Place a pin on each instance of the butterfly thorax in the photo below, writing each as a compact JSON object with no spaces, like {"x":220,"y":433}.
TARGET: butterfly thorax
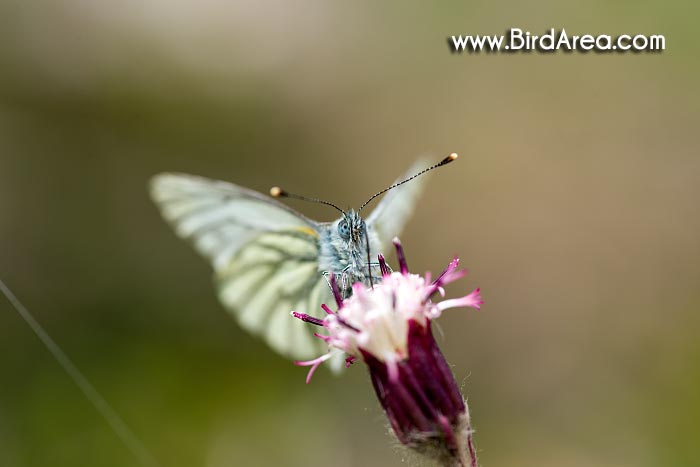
{"x":343,"y":248}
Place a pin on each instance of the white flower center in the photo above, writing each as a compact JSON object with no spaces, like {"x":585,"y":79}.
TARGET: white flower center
{"x":376,"y":320}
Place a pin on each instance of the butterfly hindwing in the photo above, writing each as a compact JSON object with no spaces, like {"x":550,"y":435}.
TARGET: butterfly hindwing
{"x":273,"y":274}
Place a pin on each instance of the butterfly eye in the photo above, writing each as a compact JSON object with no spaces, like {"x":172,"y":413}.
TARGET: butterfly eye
{"x":344,"y":230}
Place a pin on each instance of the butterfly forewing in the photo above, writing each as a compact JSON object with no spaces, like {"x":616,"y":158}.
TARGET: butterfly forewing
{"x":219,"y":217}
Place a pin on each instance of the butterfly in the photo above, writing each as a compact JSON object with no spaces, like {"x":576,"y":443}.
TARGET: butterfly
{"x":269,"y":259}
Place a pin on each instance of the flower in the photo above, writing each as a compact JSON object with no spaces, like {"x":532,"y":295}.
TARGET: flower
{"x":388,"y":326}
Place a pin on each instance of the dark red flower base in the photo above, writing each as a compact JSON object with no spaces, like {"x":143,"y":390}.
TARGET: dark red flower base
{"x":422,"y":399}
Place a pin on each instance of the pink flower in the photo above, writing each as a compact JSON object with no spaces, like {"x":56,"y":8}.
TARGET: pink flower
{"x":389,"y":328}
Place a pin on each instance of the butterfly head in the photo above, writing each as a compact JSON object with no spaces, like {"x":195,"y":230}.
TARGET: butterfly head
{"x":351,"y":227}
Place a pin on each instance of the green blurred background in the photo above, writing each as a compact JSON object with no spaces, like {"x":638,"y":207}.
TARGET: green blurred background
{"x":574,"y":205}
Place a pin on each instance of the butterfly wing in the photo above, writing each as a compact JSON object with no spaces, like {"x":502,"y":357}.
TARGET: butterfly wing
{"x":395,"y":208}
{"x":272,"y":275}
{"x":264,"y":255}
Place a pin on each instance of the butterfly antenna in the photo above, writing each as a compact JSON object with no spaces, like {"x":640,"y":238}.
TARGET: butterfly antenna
{"x":277,"y":192}
{"x":445,"y":161}
{"x":120,"y":428}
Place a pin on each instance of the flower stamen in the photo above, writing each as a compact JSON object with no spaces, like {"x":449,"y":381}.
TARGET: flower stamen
{"x":315,"y":363}
{"x":472,"y":300}
{"x":308,"y":318}
{"x":400,"y":256}
{"x":336,"y":291}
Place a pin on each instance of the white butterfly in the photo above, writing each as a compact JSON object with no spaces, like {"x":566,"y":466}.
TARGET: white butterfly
{"x":269,"y":259}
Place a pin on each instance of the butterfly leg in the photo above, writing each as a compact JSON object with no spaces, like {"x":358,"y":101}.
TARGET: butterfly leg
{"x":375,"y":264}
{"x":377,"y":272}
{"x":341,"y":281}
